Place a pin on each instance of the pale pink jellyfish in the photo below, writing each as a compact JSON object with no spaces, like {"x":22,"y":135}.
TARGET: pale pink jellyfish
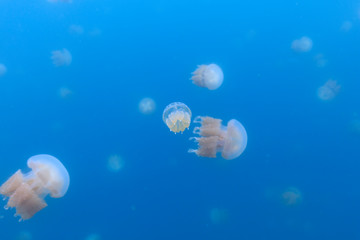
{"x":61,"y":57}
{"x":26,"y":192}
{"x":303,"y":44}
{"x":208,"y":76}
{"x":329,"y":90}
{"x":230,"y":140}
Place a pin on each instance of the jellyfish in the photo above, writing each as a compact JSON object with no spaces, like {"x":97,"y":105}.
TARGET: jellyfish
{"x":61,"y":57}
{"x":26,"y":192}
{"x":303,"y":44}
{"x":291,"y":196}
{"x":346,"y":26}
{"x":147,"y":106}
{"x":208,"y":76}
{"x":115,"y":163}
{"x":177,"y":116}
{"x":65,"y":92}
{"x":76,"y":29}
{"x":230,"y":140}
{"x":3,"y":69}
{"x":219,"y":215}
{"x":329,"y":90}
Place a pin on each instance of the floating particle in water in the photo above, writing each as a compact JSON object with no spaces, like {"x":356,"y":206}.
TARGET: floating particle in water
{"x":177,"y":116}
{"x":320,"y":60}
{"x":346,"y":26}
{"x":61,"y":57}
{"x":115,"y":163}
{"x":3,"y":69}
{"x":76,"y":29}
{"x":147,"y":106}
{"x":219,"y":215}
{"x":208,"y":76}
{"x":303,"y":44}
{"x":93,"y":236}
{"x":26,"y":192}
{"x":24,"y":235}
{"x":230,"y":140}
{"x":291,"y":196}
{"x":329,"y":90}
{"x":64,"y":92}
{"x":64,"y":1}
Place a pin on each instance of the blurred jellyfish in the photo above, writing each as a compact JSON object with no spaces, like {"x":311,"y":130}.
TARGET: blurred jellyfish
{"x":355,"y":126}
{"x":26,"y":192}
{"x":329,"y":90}
{"x":177,"y":116}
{"x":320,"y":60}
{"x":208,"y":76}
{"x":76,"y":29}
{"x":24,"y":235}
{"x":147,"y":106}
{"x":346,"y":26}
{"x":291,"y":196}
{"x":61,"y":57}
{"x":93,"y":236}
{"x":115,"y":163}
{"x":230,"y":140}
{"x":95,"y":32}
{"x":3,"y":69}
{"x":303,"y":44}
{"x":219,"y":215}
{"x":65,"y":92}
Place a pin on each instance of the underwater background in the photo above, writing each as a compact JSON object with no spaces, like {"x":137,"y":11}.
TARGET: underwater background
{"x":299,"y":175}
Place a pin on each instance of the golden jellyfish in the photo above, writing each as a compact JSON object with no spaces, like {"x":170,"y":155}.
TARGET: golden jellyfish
{"x":230,"y":140}
{"x":26,"y":192}
{"x":177,"y":116}
{"x":208,"y":76}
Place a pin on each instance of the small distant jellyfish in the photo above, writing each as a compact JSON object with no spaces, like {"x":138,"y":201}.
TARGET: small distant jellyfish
{"x":26,"y":192}
{"x":303,"y":44}
{"x":208,"y":76}
{"x":230,"y":140}
{"x":115,"y":163}
{"x":24,"y":235}
{"x":76,"y":29}
{"x":219,"y":215}
{"x":147,"y":106}
{"x":329,"y":90}
{"x":291,"y":196}
{"x":93,"y":236}
{"x":64,"y":92}
{"x":346,"y":26}
{"x":177,"y":116}
{"x":61,"y":57}
{"x":320,"y":60}
{"x":3,"y":69}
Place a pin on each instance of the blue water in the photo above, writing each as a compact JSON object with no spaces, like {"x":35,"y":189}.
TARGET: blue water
{"x":131,"y":49}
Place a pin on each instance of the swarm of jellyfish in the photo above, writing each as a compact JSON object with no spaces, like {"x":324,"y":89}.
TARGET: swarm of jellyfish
{"x":61,"y":57}
{"x":26,"y":191}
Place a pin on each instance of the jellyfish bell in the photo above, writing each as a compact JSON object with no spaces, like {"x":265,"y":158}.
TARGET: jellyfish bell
{"x":230,"y":140}
{"x":26,"y":192}
{"x":61,"y":57}
{"x":147,"y":106}
{"x":177,"y":116}
{"x":208,"y":76}
{"x":304,"y":44}
{"x":329,"y":90}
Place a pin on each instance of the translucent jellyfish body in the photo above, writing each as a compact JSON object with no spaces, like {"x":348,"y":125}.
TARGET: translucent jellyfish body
{"x":61,"y":57}
{"x":177,"y":116}
{"x":304,"y":44}
{"x":26,"y":192}
{"x":208,"y":76}
{"x":147,"y":106}
{"x":230,"y":140}
{"x":3,"y":69}
{"x":329,"y":90}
